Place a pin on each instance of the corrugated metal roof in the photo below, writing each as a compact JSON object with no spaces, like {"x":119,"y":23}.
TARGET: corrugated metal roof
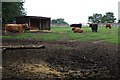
{"x":38,"y":17}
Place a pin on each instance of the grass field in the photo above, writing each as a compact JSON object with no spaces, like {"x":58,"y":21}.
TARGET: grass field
{"x":63,"y":58}
{"x":65,"y":34}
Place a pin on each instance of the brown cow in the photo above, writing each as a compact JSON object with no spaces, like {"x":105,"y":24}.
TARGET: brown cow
{"x":108,"y":25}
{"x":15,"y":28}
{"x":77,"y":30}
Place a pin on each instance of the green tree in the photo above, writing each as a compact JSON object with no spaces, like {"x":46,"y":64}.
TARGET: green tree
{"x":53,"y":21}
{"x":109,"y":17}
{"x":96,"y":18}
{"x":12,"y":9}
{"x":58,"y":21}
{"x":90,"y":19}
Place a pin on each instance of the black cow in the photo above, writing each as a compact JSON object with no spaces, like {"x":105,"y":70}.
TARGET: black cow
{"x":76,"y":25}
{"x":93,"y":26}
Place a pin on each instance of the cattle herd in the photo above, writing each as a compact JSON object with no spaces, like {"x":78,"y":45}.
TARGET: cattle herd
{"x":76,"y":28}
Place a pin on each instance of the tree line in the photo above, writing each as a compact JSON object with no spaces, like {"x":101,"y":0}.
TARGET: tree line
{"x":12,"y":9}
{"x":95,"y":18}
{"x":99,"y":18}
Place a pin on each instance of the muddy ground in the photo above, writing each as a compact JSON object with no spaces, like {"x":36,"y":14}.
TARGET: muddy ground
{"x":60,"y":60}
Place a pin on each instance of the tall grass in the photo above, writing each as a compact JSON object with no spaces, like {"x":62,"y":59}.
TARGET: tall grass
{"x":59,"y":33}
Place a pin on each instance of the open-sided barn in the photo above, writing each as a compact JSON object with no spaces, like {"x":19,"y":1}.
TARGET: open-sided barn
{"x":34,"y":22}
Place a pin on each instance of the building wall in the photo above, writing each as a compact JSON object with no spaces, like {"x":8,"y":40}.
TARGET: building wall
{"x":35,"y":22}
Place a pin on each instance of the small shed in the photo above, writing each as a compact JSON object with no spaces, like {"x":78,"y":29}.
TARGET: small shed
{"x":34,"y":22}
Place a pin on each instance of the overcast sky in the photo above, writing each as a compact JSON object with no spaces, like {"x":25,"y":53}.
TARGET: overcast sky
{"x":73,"y":11}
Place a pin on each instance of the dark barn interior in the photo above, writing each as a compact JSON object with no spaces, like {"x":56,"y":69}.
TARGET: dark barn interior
{"x":34,"y":22}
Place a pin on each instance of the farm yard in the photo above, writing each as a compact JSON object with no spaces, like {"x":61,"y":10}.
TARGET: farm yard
{"x":67,"y":55}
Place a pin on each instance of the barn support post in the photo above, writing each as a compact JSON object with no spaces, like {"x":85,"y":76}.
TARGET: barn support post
{"x":39,"y":24}
{"x":29,"y":22}
{"x":48,"y":23}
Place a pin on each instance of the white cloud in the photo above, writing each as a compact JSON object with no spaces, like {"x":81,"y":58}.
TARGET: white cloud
{"x":73,"y":11}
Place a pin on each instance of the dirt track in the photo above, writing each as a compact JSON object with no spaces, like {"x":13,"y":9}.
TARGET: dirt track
{"x":61,"y":60}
